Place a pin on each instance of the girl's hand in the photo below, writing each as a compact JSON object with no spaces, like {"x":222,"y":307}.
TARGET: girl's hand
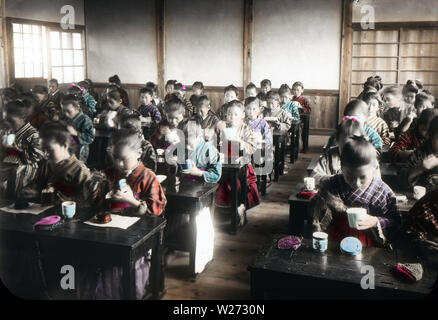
{"x":221,"y":125}
{"x":29,"y":193}
{"x":367,"y":222}
{"x":194,"y":171}
{"x":430,"y":162}
{"x":126,"y":196}
{"x":72,"y":130}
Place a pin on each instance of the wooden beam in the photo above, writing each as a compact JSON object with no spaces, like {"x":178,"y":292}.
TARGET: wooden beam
{"x":4,"y":44}
{"x":346,"y":56}
{"x":248,"y":31}
{"x":161,"y":44}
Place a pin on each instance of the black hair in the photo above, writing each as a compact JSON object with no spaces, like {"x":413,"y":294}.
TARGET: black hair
{"x":394,"y":90}
{"x":39,"y":89}
{"x":283,"y":89}
{"x":265,"y":82}
{"x":9,"y":94}
{"x":261,"y":96}
{"x":71,"y":99}
{"x":358,"y":151}
{"x":174,"y":104}
{"x":54,"y":81}
{"x":115,"y":94}
{"x":198,"y":85}
{"x":416,"y":83}
{"x":171,"y":82}
{"x":56,"y":131}
{"x":201,"y":100}
{"x":273,"y":95}
{"x":372,"y":95}
{"x":90,"y":82}
{"x":422,"y":97}
{"x":126,"y":137}
{"x":84,"y":84}
{"x":231,"y":88}
{"x":178,"y":86}
{"x":298,"y":84}
{"x":411,"y":87}
{"x":19,"y":108}
{"x":433,"y":128}
{"x":251,"y":100}
{"x":152,"y":86}
{"x":75,"y":90}
{"x":348,"y":128}
{"x":115,"y":79}
{"x":426,"y":116}
{"x":131,"y":121}
{"x":29,"y":98}
{"x":147,"y":90}
{"x":375,"y":82}
{"x":356,"y":106}
{"x":236,"y":103}
{"x":251,"y":86}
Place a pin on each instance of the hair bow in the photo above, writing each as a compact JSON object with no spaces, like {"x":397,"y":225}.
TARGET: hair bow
{"x":351,"y":118}
{"x":184,"y":87}
{"x":75,"y":85}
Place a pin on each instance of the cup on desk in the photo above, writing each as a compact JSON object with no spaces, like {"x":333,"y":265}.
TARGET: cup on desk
{"x":68,"y":209}
{"x":419,"y":192}
{"x":309,"y":183}
{"x":10,"y":139}
{"x":320,"y":241}
{"x":354,"y":215}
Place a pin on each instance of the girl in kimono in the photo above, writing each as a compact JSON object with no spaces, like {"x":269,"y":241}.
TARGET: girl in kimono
{"x":45,"y":110}
{"x":61,"y":172}
{"x":284,"y":118}
{"x":25,"y":149}
{"x":287,"y":103}
{"x":245,"y":137}
{"x":356,"y":186}
{"x":204,"y":117}
{"x":297,"y":91}
{"x":116,"y":110}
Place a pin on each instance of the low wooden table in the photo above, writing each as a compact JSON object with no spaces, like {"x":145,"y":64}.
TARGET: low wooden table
{"x":189,"y":198}
{"x":306,"y":274}
{"x":75,"y":243}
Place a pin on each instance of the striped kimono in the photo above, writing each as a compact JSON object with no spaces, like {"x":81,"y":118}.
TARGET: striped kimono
{"x":26,"y":153}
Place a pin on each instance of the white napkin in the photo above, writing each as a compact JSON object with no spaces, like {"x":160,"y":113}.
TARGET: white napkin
{"x":161,"y":178}
{"x":34,"y":208}
{"x":117,"y":221}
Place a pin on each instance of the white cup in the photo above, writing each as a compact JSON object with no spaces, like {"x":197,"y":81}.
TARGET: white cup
{"x":320,"y":241}
{"x":309,"y":183}
{"x":354,"y":215}
{"x":68,"y":209}
{"x":10,"y":139}
{"x":160,"y":152}
{"x":419,"y":192}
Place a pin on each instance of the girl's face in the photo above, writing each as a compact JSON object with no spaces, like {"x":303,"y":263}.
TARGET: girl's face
{"x":265,"y":89}
{"x":14,"y":122}
{"x":169,"y":88}
{"x":197,"y":92}
{"x":114,"y":104}
{"x":409,"y":97}
{"x":41,"y":97}
{"x":53,"y":87}
{"x":359,"y":177}
{"x":230,"y":96}
{"x":251,"y":92}
{"x":70,"y":111}
{"x":252,"y":111}
{"x":273,"y":104}
{"x":55,"y":151}
{"x":297,"y":91}
{"x":391,"y":100}
{"x":145,"y":98}
{"x":125,"y":158}
{"x":174,"y":118}
{"x":235,"y":117}
{"x":425,"y":105}
{"x":204,"y":108}
{"x":285,"y":97}
{"x":373,"y":106}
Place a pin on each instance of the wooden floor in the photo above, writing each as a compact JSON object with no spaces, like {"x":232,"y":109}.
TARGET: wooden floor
{"x":226,"y":277}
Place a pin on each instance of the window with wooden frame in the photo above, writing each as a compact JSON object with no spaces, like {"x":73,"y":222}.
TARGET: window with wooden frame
{"x":397,"y":54}
{"x":46,"y":51}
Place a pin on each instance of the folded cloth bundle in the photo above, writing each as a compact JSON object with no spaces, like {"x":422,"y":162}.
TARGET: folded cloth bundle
{"x":408,"y":271}
{"x":306,"y":194}
{"x":289,"y":242}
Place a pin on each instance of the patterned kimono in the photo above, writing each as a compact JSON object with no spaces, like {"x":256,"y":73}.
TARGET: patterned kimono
{"x":370,"y":133}
{"x":329,"y":164}
{"x":84,"y":126}
{"x":209,"y":122}
{"x":408,"y":140}
{"x":90,"y":103}
{"x":292,"y":107}
{"x":260,"y":126}
{"x":380,"y":126}
{"x":222,"y":112}
{"x":248,"y":146}
{"x":150,"y":111}
{"x":122,"y":111}
{"x":378,"y":199}
{"x":206,"y":158}
{"x":45,"y":111}
{"x":148,"y":156}
{"x":26,"y":153}
{"x":428,"y":179}
{"x":283,"y":116}
{"x":56,"y":97}
{"x":304,"y":103}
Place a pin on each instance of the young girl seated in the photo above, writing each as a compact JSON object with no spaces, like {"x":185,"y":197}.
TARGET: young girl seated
{"x":147,"y":108}
{"x":373,"y":100}
{"x":297,"y":91}
{"x":422,"y":101}
{"x":55,"y":94}
{"x":395,"y":108}
{"x":265,"y":86}
{"x":329,"y":162}
{"x":24,"y":150}
{"x":287,"y":104}
{"x":115,"y":81}
{"x":283,"y":120}
{"x":204,"y":116}
{"x":409,"y":113}
{"x":356,"y":186}
{"x":170,"y":88}
{"x":79,"y":125}
{"x":180,"y":92}
{"x":245,"y":138}
{"x":204,"y":157}
{"x":410,"y":140}
{"x":88,"y":99}
{"x":110,"y":118}
{"x":230,"y":94}
{"x":423,"y":162}
{"x":198,"y":91}
{"x":45,"y":110}
{"x":61,"y":172}
{"x":250,"y":90}
{"x":156,"y":101}
{"x":148,"y":157}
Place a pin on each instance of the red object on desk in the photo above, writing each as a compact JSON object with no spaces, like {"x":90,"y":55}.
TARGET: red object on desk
{"x":306,"y":194}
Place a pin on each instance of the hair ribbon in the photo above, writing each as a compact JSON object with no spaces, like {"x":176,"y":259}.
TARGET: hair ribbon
{"x":351,"y":118}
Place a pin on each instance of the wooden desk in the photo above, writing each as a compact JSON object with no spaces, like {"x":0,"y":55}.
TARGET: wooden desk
{"x":306,"y":274}
{"x":75,"y":242}
{"x":279,"y":141}
{"x":233,"y":173}
{"x":261,"y":170}
{"x":188,"y":198}
{"x":294,"y":134}
{"x":305,"y":120}
{"x":298,"y":211}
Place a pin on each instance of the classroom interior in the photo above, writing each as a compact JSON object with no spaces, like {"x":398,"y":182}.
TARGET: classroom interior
{"x":331,"y":47}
